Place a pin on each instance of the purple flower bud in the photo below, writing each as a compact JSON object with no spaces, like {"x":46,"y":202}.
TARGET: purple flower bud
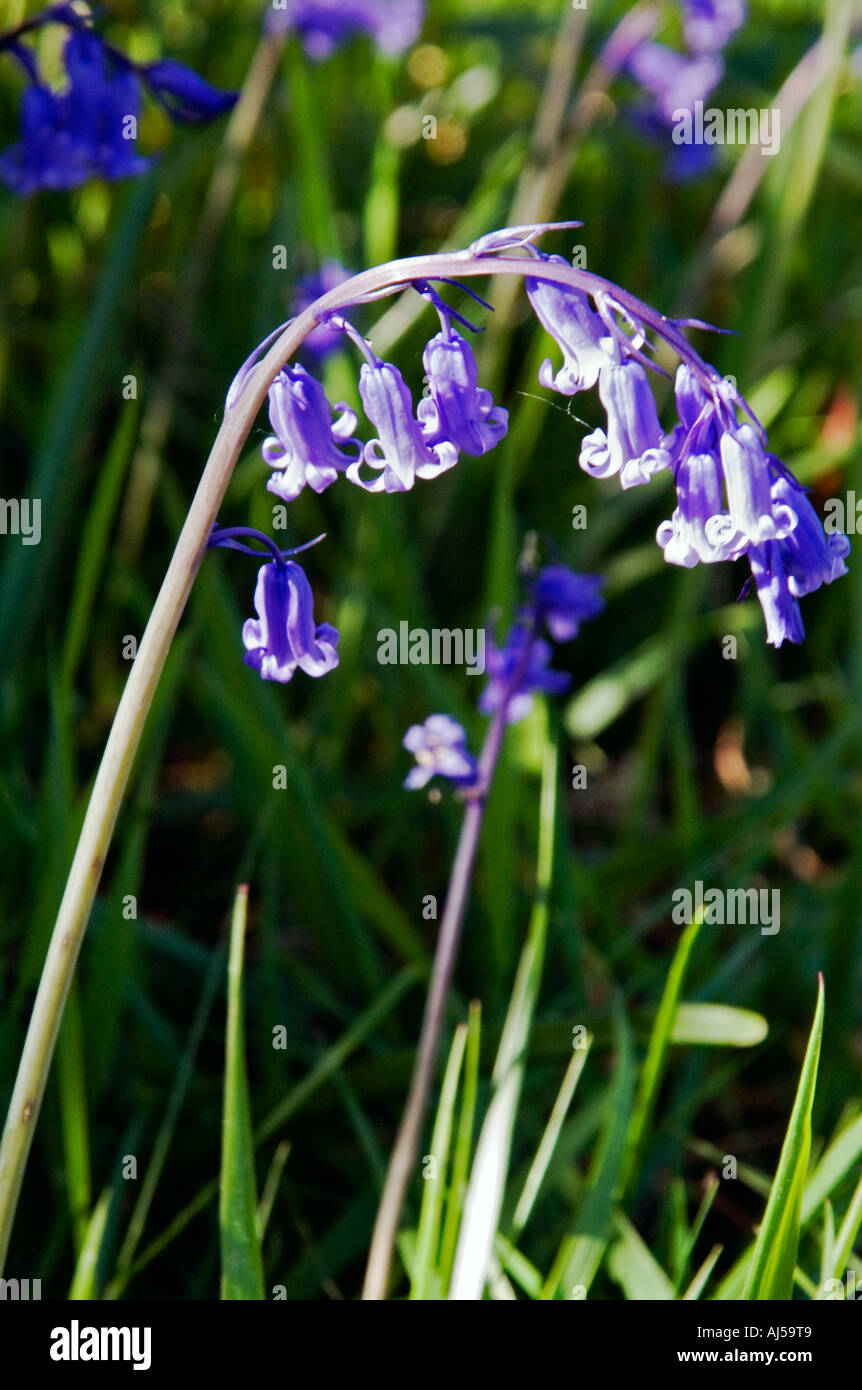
{"x":440,"y":749}
{"x":305,"y":447}
{"x":516,"y":691}
{"x":457,"y":409}
{"x":754,"y":513}
{"x":563,"y":600}
{"x":576,"y":328}
{"x":400,"y":453}
{"x":185,"y":95}
{"x":284,"y":636}
{"x":633,"y":446}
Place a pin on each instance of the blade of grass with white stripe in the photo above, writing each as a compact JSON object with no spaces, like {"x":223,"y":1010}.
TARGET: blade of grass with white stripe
{"x":463,"y":1146}
{"x":770,"y":1274}
{"x":490,"y":1166}
{"x":548,"y":1142}
{"x":581,"y":1253}
{"x":425,"y":1282}
{"x":241,"y":1261}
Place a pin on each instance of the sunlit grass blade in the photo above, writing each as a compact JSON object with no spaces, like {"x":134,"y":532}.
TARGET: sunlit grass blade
{"x":241,"y":1260}
{"x":633,"y":1266}
{"x":548,"y":1142}
{"x":581,"y":1252}
{"x":701,"y":1278}
{"x":463,"y":1146}
{"x":85,"y":1279}
{"x":487,"y":1178}
{"x":270,"y":1187}
{"x":717,"y":1025}
{"x":774,"y":1260}
{"x":425,"y":1281}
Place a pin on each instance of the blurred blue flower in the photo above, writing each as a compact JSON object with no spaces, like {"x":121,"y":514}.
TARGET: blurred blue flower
{"x":89,"y":129}
{"x":457,"y":409}
{"x":284,"y":635}
{"x":307,"y":445}
{"x":675,"y":80}
{"x":708,"y":24}
{"x":325,"y":24}
{"x":563,"y":600}
{"x":185,"y":95}
{"x":517,"y":670}
{"x":440,"y":749}
{"x":325,"y":339}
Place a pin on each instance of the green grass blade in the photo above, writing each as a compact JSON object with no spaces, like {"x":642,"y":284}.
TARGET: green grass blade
{"x":656,"y":1057}
{"x":548,"y":1142}
{"x":487,"y":1179}
{"x":425,"y":1281}
{"x":85,"y":1279}
{"x":774,"y":1260}
{"x":581,"y":1253}
{"x":635,"y":1268}
{"x":242,"y":1263}
{"x":463,"y":1146}
{"x":717,"y":1025}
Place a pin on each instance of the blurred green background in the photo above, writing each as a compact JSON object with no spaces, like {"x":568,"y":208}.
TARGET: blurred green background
{"x":736,"y":772}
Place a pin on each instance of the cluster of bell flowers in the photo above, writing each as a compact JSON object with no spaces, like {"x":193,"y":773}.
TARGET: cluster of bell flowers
{"x":734,"y":498}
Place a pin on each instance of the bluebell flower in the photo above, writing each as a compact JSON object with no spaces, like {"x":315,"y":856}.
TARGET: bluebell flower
{"x":633,"y":446}
{"x":307,"y":447}
{"x":400,"y":453}
{"x":89,"y":129}
{"x":284,"y":636}
{"x":562,"y":600}
{"x":578,"y":330}
{"x":325,"y":24}
{"x":780,"y":609}
{"x":709,"y":24}
{"x":440,"y":749}
{"x":692,"y":534}
{"x":754,"y":512}
{"x":517,"y":671}
{"x":811,"y":557}
{"x":786,"y":570}
{"x":457,"y":409}
{"x":327,"y":337}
